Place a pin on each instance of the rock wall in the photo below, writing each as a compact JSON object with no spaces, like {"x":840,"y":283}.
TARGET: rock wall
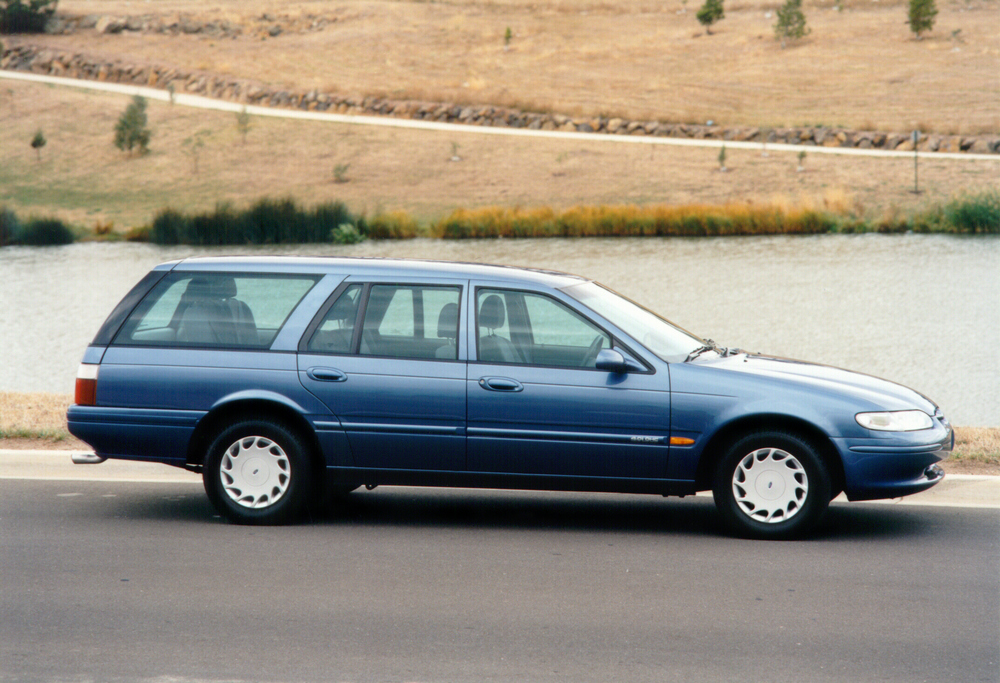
{"x":39,"y":60}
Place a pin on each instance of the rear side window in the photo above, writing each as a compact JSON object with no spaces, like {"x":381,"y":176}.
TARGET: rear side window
{"x":398,"y":321}
{"x":411,"y":321}
{"x":215,"y":310}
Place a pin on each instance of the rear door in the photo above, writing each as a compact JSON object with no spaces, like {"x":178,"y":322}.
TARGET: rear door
{"x":387,"y":359}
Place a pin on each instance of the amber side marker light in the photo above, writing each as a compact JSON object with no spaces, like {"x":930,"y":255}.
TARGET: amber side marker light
{"x":86,"y":385}
{"x":674,"y":440}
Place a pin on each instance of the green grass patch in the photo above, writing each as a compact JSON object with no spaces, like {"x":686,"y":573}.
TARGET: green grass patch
{"x":37,"y":434}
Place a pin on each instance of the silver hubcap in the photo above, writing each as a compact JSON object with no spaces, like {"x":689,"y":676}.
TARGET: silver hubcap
{"x":770,"y":485}
{"x":255,"y":472}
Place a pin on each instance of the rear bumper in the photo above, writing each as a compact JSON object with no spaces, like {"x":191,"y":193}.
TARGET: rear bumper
{"x":134,"y":434}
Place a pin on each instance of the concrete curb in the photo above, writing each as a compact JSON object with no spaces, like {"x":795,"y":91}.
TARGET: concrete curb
{"x":957,"y":490}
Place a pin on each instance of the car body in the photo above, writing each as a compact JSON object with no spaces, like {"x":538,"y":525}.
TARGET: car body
{"x":283,"y":379}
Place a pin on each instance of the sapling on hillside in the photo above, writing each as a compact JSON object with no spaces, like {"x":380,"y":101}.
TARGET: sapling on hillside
{"x":791,"y":23}
{"x":192,"y":147}
{"x":921,"y":16}
{"x":130,"y":130}
{"x":243,"y":123}
{"x":710,"y":13}
{"x":38,"y":142}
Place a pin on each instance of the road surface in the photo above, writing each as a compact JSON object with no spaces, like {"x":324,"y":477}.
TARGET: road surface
{"x":141,"y":581}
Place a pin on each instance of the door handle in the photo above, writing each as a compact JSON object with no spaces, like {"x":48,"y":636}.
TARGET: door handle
{"x":500,"y":384}
{"x":326,"y":375}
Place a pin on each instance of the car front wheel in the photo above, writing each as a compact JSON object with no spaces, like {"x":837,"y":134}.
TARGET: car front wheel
{"x":771,"y":485}
{"x":257,"y":472}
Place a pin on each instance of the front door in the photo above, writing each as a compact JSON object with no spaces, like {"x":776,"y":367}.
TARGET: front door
{"x":539,"y":406}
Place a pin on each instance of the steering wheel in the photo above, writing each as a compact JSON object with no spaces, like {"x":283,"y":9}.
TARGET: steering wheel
{"x":594,"y":349}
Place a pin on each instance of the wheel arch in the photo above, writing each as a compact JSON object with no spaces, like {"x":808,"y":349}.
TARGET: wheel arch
{"x":244,"y":409}
{"x":727,"y":435}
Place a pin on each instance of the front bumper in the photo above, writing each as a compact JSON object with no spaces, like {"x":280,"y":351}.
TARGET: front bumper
{"x":895,"y":465}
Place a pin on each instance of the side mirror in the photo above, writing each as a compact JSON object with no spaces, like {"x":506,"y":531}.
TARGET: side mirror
{"x":610,"y":360}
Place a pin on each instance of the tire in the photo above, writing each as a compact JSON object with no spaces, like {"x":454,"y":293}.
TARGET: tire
{"x":258,"y":472}
{"x":771,"y":485}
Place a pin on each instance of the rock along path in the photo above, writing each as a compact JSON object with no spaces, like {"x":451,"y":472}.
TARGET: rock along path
{"x":200,"y":102}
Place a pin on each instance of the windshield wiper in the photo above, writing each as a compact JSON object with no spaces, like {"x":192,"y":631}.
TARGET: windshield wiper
{"x":709,"y":345}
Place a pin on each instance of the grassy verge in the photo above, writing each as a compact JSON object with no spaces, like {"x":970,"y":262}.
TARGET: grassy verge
{"x":38,"y":420}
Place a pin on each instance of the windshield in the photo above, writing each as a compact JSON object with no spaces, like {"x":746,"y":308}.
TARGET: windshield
{"x":666,"y":340}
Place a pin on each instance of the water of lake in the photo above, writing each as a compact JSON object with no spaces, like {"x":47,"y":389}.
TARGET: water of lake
{"x":922,"y":310}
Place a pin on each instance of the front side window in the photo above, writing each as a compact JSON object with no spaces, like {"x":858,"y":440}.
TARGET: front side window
{"x":533,"y":329}
{"x":214,"y":310}
{"x":663,"y":338}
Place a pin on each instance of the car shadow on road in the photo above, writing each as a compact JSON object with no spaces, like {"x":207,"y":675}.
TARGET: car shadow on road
{"x":399,"y":507}
{"x":693,"y":516}
{"x":521,"y":510}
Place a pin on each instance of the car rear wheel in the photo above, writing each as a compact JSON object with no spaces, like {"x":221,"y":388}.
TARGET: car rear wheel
{"x":771,"y":485}
{"x":257,"y":472}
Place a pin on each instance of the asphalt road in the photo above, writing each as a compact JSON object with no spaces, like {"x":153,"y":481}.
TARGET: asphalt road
{"x":116,"y":580}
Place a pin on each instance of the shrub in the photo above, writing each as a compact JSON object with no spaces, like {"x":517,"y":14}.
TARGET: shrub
{"x":45,"y":232}
{"x":921,"y":16}
{"x":395,"y":225}
{"x":130,"y":130}
{"x":138,"y":234}
{"x":710,"y":13}
{"x":168,"y":227}
{"x":25,"y":16}
{"x":10,"y":227}
{"x":267,"y":221}
{"x":791,"y":23}
{"x":978,"y":213}
{"x":346,"y":234}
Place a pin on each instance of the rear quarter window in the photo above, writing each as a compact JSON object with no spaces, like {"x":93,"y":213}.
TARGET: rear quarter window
{"x":222,"y":310}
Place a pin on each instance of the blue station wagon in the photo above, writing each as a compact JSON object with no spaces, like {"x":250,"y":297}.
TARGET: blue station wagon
{"x":286,"y":380}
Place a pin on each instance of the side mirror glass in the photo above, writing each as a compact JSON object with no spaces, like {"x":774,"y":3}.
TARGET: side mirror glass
{"x":610,"y":360}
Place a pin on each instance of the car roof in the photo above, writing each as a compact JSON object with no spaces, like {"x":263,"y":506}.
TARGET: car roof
{"x":373,"y":267}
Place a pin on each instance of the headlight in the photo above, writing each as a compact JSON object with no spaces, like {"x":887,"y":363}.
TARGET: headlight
{"x":901,"y":421}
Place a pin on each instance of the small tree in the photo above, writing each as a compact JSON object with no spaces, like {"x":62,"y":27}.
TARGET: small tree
{"x":921,"y":18}
{"x":131,"y":131}
{"x":243,"y":123}
{"x":192,"y":147}
{"x":38,"y":142}
{"x":25,"y":16}
{"x":710,"y":13}
{"x":791,"y":22}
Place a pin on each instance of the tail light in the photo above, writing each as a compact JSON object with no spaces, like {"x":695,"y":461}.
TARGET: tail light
{"x":86,"y":385}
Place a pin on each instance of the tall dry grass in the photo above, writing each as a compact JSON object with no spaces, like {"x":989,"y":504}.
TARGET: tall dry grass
{"x":33,"y":416}
{"x":694,"y":220}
